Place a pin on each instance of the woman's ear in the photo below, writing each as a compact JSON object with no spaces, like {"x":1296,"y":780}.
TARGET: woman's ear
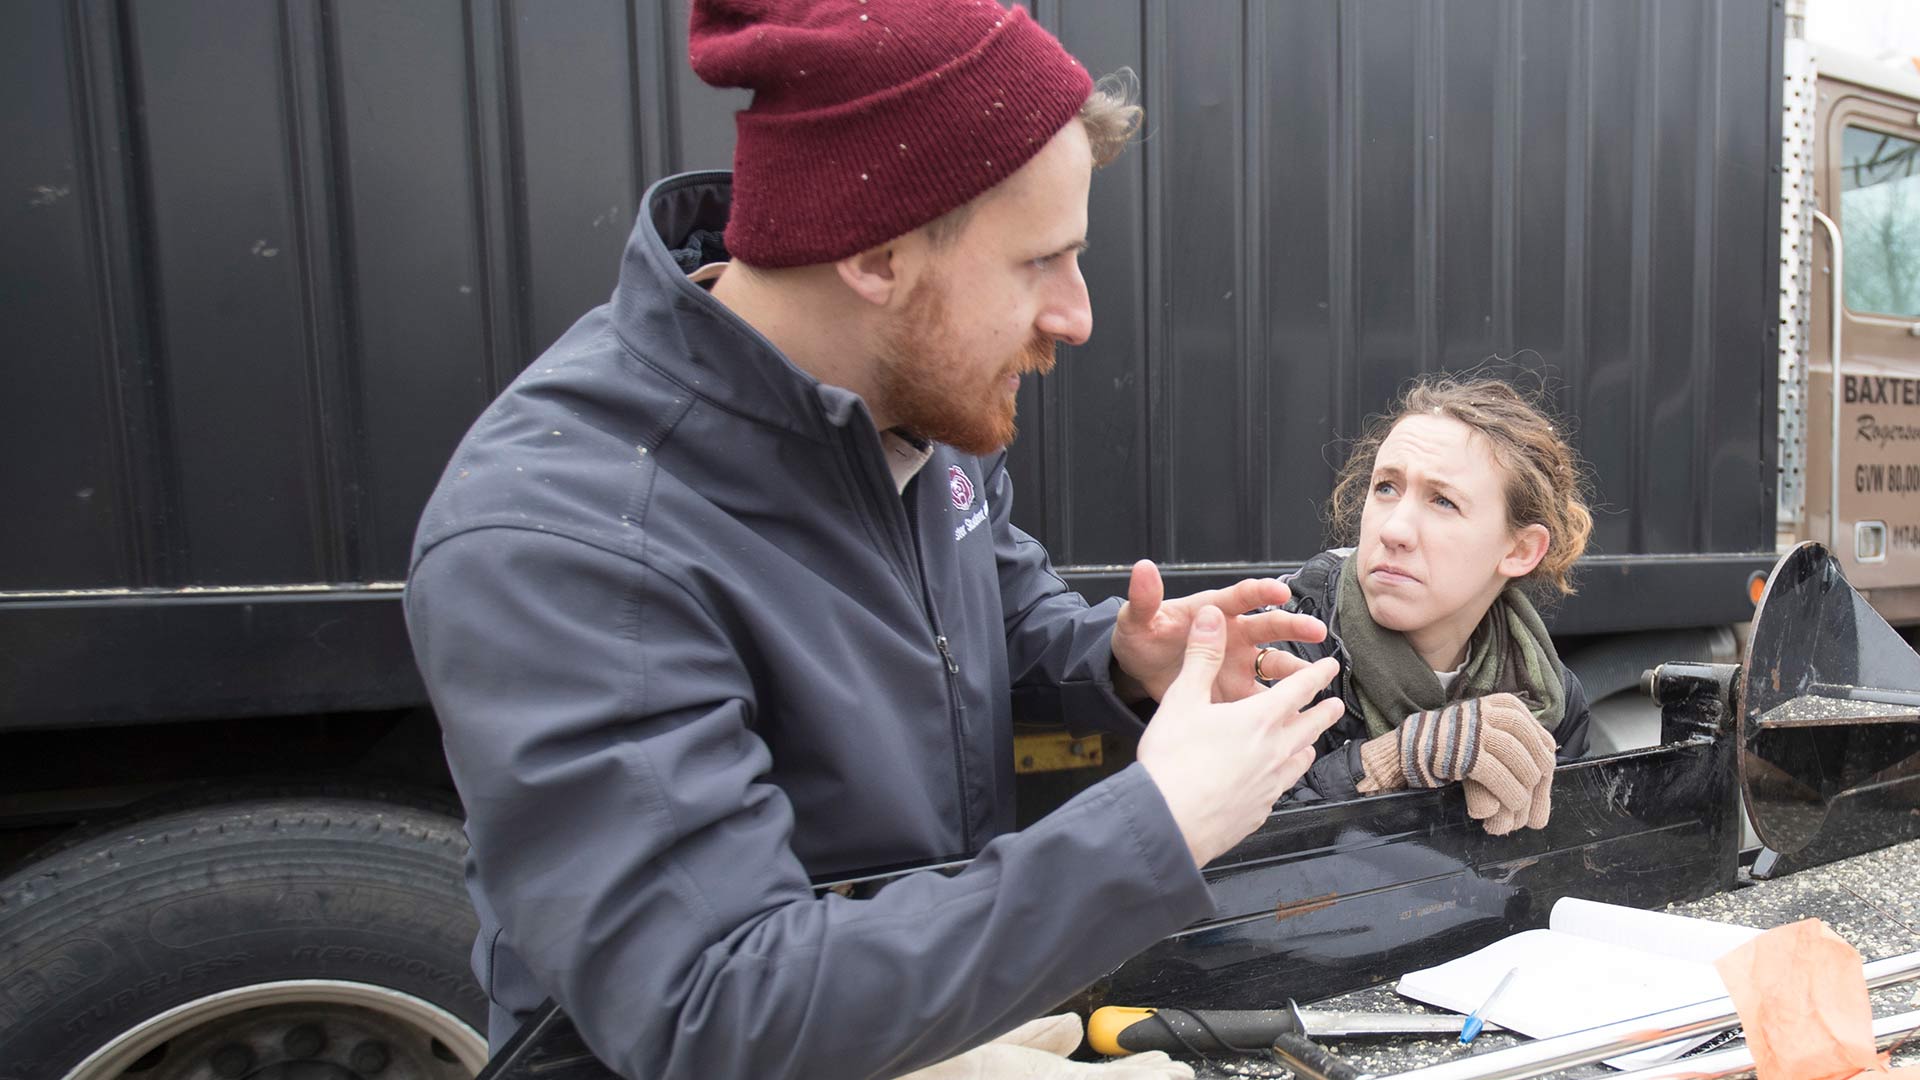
{"x":1530,"y":545}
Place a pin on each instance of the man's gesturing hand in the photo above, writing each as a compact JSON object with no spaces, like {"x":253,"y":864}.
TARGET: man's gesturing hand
{"x":1150,"y":636}
{"x":1221,"y":767}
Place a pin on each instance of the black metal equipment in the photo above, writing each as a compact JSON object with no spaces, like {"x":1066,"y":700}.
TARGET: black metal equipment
{"x":1829,"y":720}
{"x":1819,"y":727}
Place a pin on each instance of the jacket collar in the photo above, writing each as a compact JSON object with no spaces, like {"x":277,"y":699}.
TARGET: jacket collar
{"x":1317,"y":582}
{"x":675,"y":326}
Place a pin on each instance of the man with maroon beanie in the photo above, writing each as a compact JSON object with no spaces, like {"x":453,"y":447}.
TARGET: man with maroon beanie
{"x":722,"y":595}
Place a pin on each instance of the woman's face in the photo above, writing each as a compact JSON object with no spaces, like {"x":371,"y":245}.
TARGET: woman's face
{"x":1435,"y":548}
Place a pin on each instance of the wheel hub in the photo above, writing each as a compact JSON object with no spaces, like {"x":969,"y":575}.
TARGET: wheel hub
{"x":301,"y":1030}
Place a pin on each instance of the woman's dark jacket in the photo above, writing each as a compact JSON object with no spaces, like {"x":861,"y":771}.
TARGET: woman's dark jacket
{"x":1337,"y":770}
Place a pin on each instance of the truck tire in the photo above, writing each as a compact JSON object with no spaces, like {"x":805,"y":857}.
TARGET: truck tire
{"x":285,"y":937}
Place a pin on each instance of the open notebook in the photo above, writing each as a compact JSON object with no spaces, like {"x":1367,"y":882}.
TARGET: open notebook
{"x":1594,"y":964}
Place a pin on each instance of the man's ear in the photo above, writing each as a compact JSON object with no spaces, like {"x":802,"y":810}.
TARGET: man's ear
{"x":1529,"y":547}
{"x":874,"y":275}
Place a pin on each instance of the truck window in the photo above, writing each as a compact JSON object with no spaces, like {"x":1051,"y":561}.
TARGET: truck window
{"x":1880,"y":221}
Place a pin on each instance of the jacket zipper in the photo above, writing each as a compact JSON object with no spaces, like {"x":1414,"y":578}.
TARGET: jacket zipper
{"x":898,"y":523}
{"x":945,"y":649}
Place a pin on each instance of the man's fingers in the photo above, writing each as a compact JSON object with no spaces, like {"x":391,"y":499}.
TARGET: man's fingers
{"x":1288,"y":698}
{"x":1322,"y":716}
{"x":1278,"y":664}
{"x":1295,"y":767}
{"x":1300,"y":687}
{"x":1248,"y":594}
{"x":1206,"y":648}
{"x":1313,"y":721}
{"x":1145,"y":591}
{"x":1279,"y":626}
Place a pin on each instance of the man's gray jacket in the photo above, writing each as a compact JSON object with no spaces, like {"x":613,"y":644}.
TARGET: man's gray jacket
{"x":691,"y":647}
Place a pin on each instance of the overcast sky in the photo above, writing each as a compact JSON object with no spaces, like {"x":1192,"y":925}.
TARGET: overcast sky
{"x":1878,"y":29}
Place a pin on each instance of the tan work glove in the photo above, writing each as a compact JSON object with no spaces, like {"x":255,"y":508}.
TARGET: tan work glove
{"x":1038,"y":1049}
{"x":1480,"y":741}
{"x":1513,"y":718}
{"x":1380,"y":764}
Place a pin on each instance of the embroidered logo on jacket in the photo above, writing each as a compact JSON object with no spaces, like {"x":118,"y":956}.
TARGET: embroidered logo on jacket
{"x":960,"y":487}
{"x":973,"y":522}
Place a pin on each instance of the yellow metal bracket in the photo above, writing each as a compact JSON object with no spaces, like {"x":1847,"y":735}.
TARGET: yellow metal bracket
{"x":1053,"y":751}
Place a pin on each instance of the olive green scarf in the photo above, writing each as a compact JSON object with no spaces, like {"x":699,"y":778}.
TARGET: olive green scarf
{"x":1509,"y":651}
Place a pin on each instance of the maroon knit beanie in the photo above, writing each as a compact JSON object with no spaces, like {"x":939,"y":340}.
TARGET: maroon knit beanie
{"x":871,"y":118}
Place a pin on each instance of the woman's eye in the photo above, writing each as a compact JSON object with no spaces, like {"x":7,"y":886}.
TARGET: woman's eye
{"x":1444,"y":503}
{"x":1044,"y":261}
{"x":1384,"y":487}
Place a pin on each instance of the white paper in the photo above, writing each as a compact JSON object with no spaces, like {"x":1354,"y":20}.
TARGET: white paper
{"x":1678,"y":936}
{"x":1595,"y":964}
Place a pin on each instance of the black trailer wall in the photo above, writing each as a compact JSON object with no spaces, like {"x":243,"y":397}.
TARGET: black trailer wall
{"x":261,"y":263}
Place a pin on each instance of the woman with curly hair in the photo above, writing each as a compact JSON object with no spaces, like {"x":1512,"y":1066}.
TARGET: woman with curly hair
{"x":1461,"y":501}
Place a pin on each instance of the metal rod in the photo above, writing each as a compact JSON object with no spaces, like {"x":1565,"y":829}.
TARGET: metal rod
{"x":1341,"y":1023}
{"x":1308,"y":1060}
{"x":1738,"y":1060}
{"x":1873,"y":694}
{"x":1346,"y":1025}
{"x":1543,"y":1056}
{"x":1834,"y":315}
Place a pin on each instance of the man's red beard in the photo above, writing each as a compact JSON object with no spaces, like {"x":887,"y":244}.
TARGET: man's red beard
{"x":938,"y":394}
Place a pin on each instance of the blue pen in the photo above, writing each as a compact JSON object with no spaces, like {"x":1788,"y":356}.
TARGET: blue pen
{"x":1478,"y":1018}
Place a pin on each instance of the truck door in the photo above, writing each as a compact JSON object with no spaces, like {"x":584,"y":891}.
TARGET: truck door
{"x":1867,"y":180}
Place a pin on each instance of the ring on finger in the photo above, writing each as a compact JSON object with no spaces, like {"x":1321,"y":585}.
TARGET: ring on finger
{"x":1260,"y":657}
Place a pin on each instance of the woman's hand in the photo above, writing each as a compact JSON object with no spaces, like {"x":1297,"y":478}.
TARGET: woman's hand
{"x":1491,"y":744}
{"x":1516,"y":720}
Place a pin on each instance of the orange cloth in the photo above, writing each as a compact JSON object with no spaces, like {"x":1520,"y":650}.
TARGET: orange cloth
{"x":1802,"y":998}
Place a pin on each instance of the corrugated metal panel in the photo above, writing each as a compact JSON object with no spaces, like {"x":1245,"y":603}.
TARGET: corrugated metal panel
{"x":1336,"y":196}
{"x":70,"y":506}
{"x":264,"y":261}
